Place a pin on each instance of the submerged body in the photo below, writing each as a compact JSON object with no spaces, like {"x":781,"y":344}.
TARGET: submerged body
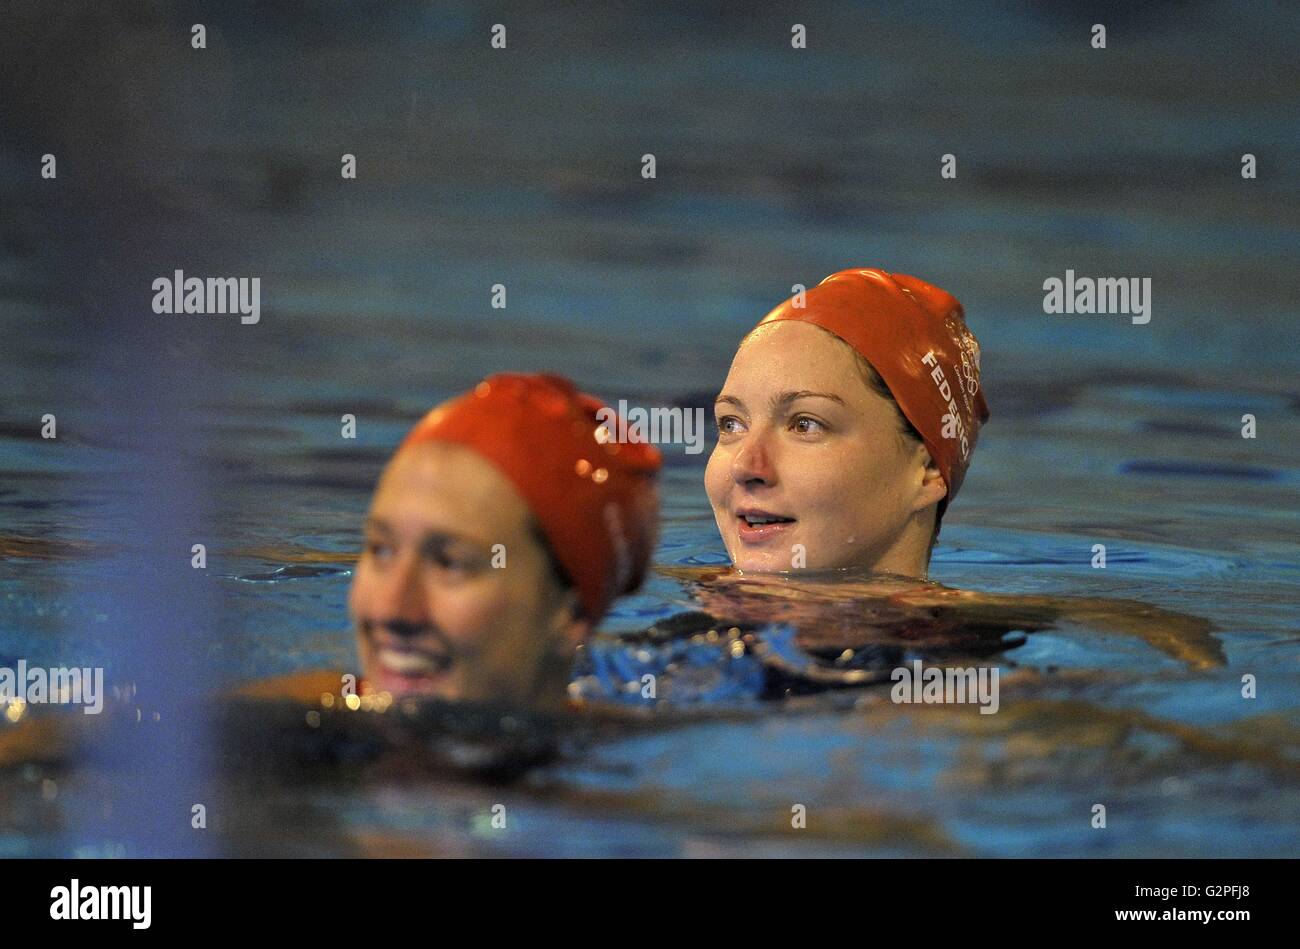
{"x":769,"y":636}
{"x":837,"y":610}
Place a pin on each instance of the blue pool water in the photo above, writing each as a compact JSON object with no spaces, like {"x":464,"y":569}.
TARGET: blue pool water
{"x":772,"y":171}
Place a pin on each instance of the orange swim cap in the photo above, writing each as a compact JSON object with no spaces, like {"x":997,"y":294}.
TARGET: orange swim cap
{"x":914,"y":334}
{"x":595,"y":499}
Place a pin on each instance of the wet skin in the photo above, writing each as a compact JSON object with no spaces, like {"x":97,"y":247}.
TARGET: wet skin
{"x":433,"y":616}
{"x":803,"y":440}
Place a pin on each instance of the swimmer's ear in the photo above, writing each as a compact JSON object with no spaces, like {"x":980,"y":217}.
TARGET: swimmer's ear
{"x":933,"y":487}
{"x":579,"y":630}
{"x":568,"y":620}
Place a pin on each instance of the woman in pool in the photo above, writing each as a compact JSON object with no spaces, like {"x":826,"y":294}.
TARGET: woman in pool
{"x":846,"y":426}
{"x":503,"y":527}
{"x":498,"y":535}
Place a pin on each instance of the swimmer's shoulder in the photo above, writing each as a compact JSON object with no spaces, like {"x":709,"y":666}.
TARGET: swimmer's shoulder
{"x":682,"y":627}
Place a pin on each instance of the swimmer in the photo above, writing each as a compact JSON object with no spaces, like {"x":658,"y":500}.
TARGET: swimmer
{"x":846,"y":426}
{"x":499,"y":533}
{"x":497,"y":537}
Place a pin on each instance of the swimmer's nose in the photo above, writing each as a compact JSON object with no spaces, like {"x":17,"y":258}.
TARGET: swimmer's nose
{"x":404,"y":629}
{"x":400,"y":604}
{"x":752,"y":465}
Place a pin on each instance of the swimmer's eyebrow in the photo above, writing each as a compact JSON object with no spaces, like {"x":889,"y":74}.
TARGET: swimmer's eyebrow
{"x":377,"y":525}
{"x":433,"y":540}
{"x":785,"y":398}
{"x":782,"y":399}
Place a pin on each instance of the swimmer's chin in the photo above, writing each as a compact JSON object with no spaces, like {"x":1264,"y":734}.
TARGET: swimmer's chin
{"x":750,"y":562}
{"x":431,"y":685}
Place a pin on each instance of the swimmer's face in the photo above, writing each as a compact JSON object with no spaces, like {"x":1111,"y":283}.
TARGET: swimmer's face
{"x":433,"y":615}
{"x":803,"y":440}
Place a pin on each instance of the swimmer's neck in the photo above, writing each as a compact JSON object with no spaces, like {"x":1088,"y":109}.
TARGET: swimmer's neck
{"x":829,"y":577}
{"x":908,"y":555}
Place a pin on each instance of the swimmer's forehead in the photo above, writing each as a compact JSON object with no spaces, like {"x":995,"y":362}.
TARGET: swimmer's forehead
{"x":449,"y":491}
{"x":790,"y":334}
{"x":801,"y":360}
{"x":379,"y":527}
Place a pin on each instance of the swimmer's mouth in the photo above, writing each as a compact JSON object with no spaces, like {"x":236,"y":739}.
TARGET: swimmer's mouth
{"x":404,"y":668}
{"x":756,"y":525}
{"x":411,"y":662}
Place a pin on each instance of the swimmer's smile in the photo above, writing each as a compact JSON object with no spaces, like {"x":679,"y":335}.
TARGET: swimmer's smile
{"x":402,"y":667}
{"x":756,"y":526}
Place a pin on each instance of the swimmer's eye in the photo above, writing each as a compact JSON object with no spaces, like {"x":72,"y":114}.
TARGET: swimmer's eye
{"x":807,"y":425}
{"x":447,"y":562}
{"x":728,"y":425}
{"x":454,"y":561}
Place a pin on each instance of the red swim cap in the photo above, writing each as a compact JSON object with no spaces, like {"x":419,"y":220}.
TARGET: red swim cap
{"x":595,"y":499}
{"x":915,"y":336}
